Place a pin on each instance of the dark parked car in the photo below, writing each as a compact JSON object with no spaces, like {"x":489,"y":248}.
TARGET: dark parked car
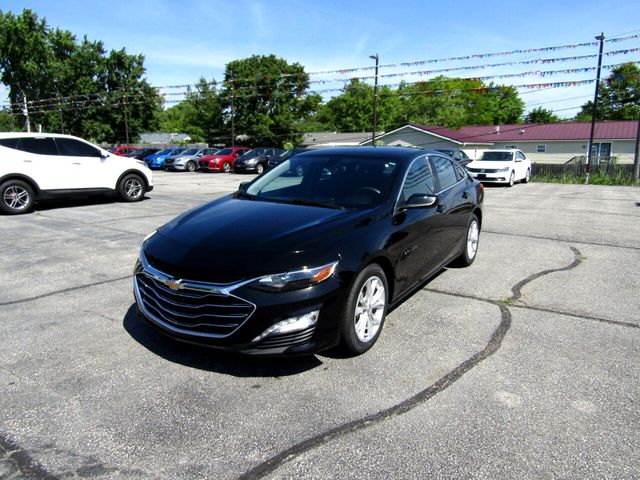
{"x":255,"y":160}
{"x":285,"y":155}
{"x":458,"y":155}
{"x":143,"y":152}
{"x":293,"y":264}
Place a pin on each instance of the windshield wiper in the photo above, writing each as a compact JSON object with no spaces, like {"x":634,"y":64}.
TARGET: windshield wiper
{"x":311,"y":203}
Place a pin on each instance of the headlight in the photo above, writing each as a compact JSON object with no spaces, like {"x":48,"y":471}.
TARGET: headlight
{"x":505,"y":169}
{"x":294,"y":280}
{"x":251,"y":161}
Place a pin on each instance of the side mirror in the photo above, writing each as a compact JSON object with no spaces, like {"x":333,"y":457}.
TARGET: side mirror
{"x":243,"y":186}
{"x":418,"y":200}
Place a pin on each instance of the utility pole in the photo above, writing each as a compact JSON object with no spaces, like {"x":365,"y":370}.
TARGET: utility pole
{"x":126,"y":116}
{"x":636,"y":157}
{"x":594,"y":112}
{"x":60,"y":113}
{"x":375,"y":101}
{"x":233,"y":124}
{"x":25,"y":112}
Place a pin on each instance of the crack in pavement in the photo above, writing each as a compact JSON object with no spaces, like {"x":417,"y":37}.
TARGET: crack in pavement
{"x":64,"y":290}
{"x":495,"y":342}
{"x":22,"y":461}
{"x":537,"y":237}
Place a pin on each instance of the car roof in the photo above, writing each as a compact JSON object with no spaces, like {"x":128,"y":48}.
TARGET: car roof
{"x":401,"y":154}
{"x":36,"y":135}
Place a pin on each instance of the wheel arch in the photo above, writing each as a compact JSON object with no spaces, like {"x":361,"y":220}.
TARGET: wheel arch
{"x":387,"y":268}
{"x":24,"y":178}
{"x":134,"y":171}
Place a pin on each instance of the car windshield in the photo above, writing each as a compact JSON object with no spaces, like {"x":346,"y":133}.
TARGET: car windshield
{"x":191,"y":151}
{"x":137,"y":152}
{"x":225,"y":151}
{"x":250,"y":154}
{"x":330,"y":181}
{"x":497,"y":156}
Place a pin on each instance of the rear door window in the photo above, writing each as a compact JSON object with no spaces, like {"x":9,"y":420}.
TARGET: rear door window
{"x":445,"y":171}
{"x":38,"y":145}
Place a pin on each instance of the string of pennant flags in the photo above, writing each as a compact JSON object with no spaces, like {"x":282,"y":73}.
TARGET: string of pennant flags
{"x":239,"y":86}
{"x":53,"y":101}
{"x":105,"y":101}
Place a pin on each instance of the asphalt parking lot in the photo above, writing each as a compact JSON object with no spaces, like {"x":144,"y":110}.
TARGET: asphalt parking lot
{"x":525,"y":365}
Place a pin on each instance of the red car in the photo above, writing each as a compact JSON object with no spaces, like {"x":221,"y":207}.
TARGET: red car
{"x":221,"y":161}
{"x":123,"y":150}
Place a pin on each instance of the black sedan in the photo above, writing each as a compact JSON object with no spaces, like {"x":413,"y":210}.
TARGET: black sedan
{"x":312,"y":253}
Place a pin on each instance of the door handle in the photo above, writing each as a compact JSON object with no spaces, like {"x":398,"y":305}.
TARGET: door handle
{"x":76,"y":163}
{"x":465,"y":194}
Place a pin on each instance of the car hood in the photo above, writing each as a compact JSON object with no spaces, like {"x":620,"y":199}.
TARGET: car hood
{"x":217,"y":157}
{"x":234,"y":239}
{"x":489,"y":164}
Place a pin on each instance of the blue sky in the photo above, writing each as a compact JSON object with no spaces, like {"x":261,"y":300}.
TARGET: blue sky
{"x":188,"y":39}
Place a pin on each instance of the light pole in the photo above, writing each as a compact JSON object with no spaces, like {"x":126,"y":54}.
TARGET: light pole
{"x":375,"y":100}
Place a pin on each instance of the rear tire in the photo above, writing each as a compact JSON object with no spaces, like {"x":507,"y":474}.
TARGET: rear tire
{"x":131,"y":188}
{"x":16,"y":197}
{"x":527,"y":176}
{"x":365,"y":310}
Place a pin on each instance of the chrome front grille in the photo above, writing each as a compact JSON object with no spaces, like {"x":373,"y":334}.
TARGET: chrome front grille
{"x":483,"y":170}
{"x":213,"y":313}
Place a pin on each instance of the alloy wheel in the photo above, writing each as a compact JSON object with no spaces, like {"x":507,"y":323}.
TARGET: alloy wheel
{"x":370,"y":309}
{"x":16,"y":197}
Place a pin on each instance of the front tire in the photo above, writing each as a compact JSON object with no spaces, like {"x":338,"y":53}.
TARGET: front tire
{"x":512,"y":178}
{"x":16,"y":197}
{"x":365,"y":310}
{"x":259,"y":168}
{"x":226,"y":167}
{"x":191,"y":167}
{"x":472,"y":240}
{"x":131,"y":188}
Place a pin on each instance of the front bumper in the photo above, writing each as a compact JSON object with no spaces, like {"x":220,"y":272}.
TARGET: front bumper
{"x":233,"y":317}
{"x":498,"y":177}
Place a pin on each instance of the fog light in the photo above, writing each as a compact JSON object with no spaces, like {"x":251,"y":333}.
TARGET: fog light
{"x":289,"y":325}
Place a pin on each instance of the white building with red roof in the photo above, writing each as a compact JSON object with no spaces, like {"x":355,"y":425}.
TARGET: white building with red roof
{"x":542,"y":143}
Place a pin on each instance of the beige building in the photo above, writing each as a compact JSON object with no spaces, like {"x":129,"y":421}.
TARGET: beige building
{"x":542,"y":143}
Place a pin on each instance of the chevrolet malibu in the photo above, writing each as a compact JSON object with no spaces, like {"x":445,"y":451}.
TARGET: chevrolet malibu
{"x":311,"y":254}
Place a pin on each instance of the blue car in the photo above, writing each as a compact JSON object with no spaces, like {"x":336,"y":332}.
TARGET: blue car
{"x":157,"y":159}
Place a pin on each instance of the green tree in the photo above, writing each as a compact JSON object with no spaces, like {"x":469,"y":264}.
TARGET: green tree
{"x":8,"y":122}
{"x":619,"y":96}
{"x":74,"y":86}
{"x":268,"y":99}
{"x":352,"y":111}
{"x":541,"y":115}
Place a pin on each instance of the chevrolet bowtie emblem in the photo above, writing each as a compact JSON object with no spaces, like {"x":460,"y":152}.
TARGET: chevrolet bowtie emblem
{"x":174,"y":284}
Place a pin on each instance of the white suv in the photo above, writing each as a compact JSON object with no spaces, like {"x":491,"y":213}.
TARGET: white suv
{"x":36,"y":166}
{"x":501,"y":166}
